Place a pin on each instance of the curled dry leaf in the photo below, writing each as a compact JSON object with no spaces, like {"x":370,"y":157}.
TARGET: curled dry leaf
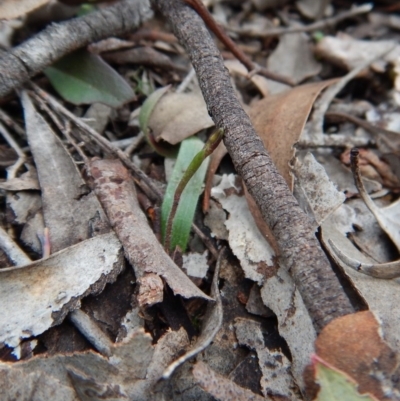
{"x":353,"y":344}
{"x":177,"y":116}
{"x":249,"y":246}
{"x":381,"y":296}
{"x":48,"y":289}
{"x":116,"y":192}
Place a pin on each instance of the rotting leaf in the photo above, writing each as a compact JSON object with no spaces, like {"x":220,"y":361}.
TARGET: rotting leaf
{"x":84,"y":78}
{"x":277,"y":379}
{"x":353,"y":344}
{"x":256,"y":257}
{"x":249,"y":246}
{"x":49,"y":288}
{"x":67,"y":205}
{"x":335,"y":385}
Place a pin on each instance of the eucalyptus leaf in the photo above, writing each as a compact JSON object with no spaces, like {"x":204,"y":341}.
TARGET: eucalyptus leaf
{"x":190,"y":195}
{"x":336,"y":386}
{"x":84,"y":78}
{"x":148,"y":107}
{"x":163,"y":148}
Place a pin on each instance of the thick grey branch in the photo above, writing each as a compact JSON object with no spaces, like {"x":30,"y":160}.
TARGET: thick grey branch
{"x":300,"y":250}
{"x":32,"y":56}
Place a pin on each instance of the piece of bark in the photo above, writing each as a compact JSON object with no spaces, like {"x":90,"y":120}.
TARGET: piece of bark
{"x":300,"y":250}
{"x":57,"y":40}
{"x":115,"y":189}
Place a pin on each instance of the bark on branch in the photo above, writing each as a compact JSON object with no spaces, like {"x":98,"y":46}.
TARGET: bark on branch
{"x":33,"y":56}
{"x":300,"y":250}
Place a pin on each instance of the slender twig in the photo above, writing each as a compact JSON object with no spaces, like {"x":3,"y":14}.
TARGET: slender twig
{"x":104,"y":143}
{"x":322,"y":24}
{"x":321,"y":291}
{"x":57,"y":40}
{"x":11,"y":123}
{"x":16,"y":255}
{"x":91,"y":331}
{"x":12,"y":170}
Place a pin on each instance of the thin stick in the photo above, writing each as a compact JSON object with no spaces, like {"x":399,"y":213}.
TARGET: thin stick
{"x":104,"y":143}
{"x":17,"y":256}
{"x":12,"y":170}
{"x":12,"y":124}
{"x":91,"y":331}
{"x":325,"y":23}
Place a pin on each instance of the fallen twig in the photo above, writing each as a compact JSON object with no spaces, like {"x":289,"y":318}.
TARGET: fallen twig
{"x":57,"y":40}
{"x":300,"y":250}
{"x":322,"y":24}
{"x":116,"y":192}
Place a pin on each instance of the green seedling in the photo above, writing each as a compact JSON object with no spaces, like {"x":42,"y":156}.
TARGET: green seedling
{"x":172,"y":236}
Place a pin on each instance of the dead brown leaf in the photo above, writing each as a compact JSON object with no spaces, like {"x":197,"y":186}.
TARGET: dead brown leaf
{"x":353,"y":344}
{"x":279,"y":121}
{"x":178,"y":116}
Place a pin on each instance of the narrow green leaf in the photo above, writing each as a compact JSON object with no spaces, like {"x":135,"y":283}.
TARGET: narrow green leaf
{"x":84,"y":78}
{"x":190,"y":196}
{"x":336,"y":385}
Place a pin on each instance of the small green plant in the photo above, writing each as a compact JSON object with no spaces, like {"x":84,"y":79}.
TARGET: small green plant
{"x":175,"y":236}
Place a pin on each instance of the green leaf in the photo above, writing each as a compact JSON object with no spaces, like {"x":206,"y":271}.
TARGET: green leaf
{"x":336,"y":385}
{"x":190,"y":195}
{"x":84,"y":78}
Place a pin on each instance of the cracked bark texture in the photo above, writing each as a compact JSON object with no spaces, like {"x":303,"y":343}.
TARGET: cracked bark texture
{"x":57,"y":40}
{"x":299,"y":247}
